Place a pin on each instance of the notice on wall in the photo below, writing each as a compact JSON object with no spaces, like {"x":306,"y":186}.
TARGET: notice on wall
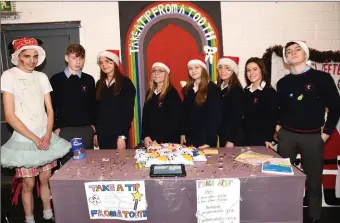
{"x":218,"y":200}
{"x":123,"y":200}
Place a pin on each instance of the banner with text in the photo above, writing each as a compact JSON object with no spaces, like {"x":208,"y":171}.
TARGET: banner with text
{"x":123,"y":200}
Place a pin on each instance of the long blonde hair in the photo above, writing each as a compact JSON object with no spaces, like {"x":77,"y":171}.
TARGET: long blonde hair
{"x":153,"y":86}
{"x":202,"y":92}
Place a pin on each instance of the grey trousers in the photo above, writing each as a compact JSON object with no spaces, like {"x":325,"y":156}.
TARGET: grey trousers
{"x":68,"y":133}
{"x":311,"y":147}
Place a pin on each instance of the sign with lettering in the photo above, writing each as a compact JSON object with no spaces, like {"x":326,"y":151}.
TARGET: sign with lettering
{"x":123,"y":200}
{"x":137,"y":44}
{"x":163,"y":9}
{"x":218,"y":200}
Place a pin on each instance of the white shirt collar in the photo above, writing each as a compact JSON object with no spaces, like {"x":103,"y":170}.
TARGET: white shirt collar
{"x":260,"y":87}
{"x":109,"y":84}
{"x":156,"y":92}
{"x":195,"y":87}
{"x":223,"y":87}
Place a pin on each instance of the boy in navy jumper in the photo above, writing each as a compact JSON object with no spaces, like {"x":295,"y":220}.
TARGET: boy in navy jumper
{"x":73,"y":99}
{"x":303,"y":97}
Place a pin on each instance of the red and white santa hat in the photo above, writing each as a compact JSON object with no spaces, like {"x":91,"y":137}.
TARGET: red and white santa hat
{"x":113,"y":55}
{"x":230,"y":61}
{"x":198,"y":59}
{"x":302,"y":44}
{"x":163,"y":64}
{"x":25,"y":44}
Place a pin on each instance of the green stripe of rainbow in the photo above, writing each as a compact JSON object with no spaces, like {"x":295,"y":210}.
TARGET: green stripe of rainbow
{"x":133,"y":59}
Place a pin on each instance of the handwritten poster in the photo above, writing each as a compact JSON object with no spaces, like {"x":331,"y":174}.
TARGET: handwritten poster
{"x":123,"y":200}
{"x":218,"y":200}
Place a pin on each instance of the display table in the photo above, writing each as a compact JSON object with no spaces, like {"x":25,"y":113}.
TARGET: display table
{"x":264,"y":197}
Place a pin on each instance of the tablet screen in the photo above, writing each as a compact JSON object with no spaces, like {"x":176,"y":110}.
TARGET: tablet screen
{"x":167,"y":170}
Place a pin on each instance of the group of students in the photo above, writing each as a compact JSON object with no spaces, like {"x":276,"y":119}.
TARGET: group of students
{"x":101,"y":113}
{"x":47,"y":114}
{"x":210,"y":112}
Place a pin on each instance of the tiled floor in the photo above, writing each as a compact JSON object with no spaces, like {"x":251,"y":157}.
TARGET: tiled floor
{"x":16,"y":214}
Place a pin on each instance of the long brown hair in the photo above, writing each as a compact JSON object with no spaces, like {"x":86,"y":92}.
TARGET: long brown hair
{"x":232,"y":82}
{"x":153,"y":86}
{"x":202,"y":92}
{"x":260,"y":63}
{"x":117,"y":75}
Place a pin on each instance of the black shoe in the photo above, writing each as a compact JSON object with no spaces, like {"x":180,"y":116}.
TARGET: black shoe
{"x":51,"y":220}
{"x":316,"y":220}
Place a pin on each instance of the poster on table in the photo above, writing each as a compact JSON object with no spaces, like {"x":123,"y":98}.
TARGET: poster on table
{"x":122,"y":200}
{"x":218,"y":200}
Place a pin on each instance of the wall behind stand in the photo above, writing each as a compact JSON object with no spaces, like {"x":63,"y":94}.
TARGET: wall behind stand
{"x":99,"y":24}
{"x":248,"y":28}
{"x":128,"y":14}
{"x":253,"y":27}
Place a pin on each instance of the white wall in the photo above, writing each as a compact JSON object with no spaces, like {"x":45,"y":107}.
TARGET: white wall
{"x":248,"y":28}
{"x":99,"y":24}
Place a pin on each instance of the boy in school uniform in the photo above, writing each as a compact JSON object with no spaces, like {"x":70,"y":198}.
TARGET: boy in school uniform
{"x":33,"y":148}
{"x":73,"y":99}
{"x":303,"y":97}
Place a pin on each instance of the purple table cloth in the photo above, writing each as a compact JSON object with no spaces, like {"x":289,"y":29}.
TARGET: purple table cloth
{"x":264,"y":197}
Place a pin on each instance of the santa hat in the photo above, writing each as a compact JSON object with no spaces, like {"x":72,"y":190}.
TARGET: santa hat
{"x":230,"y":61}
{"x":163,"y":64}
{"x":302,"y":44}
{"x":113,"y":55}
{"x":25,"y":44}
{"x":198,"y":59}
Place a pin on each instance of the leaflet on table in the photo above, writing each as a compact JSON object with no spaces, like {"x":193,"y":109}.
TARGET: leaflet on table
{"x":278,"y":166}
{"x":123,"y":200}
{"x":280,"y":161}
{"x":218,"y":200}
{"x":253,"y":158}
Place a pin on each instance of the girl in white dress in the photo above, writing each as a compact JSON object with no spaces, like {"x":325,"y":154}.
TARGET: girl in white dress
{"x":33,"y":148}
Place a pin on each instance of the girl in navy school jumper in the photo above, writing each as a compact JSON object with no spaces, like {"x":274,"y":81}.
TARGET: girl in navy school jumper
{"x":201,"y":107}
{"x":232,"y":100}
{"x":161,"y":111}
{"x":260,"y":114}
{"x":115,"y":95}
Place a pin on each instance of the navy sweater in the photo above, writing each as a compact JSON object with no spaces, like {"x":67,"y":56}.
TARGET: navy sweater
{"x":115,"y":111}
{"x":200,"y":123}
{"x":303,"y":100}
{"x":260,"y":116}
{"x":231,"y":129}
{"x":161,"y":117}
{"x":73,"y":100}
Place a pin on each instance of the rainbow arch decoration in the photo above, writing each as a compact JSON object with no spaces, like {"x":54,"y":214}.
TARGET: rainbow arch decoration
{"x":145,"y":19}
